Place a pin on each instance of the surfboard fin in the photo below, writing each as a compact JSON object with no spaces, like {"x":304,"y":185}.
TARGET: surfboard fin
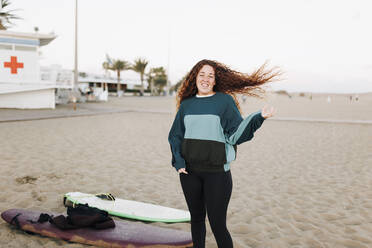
{"x":106,"y":196}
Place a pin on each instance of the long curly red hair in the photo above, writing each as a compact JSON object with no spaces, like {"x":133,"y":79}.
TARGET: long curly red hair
{"x":228,"y":81}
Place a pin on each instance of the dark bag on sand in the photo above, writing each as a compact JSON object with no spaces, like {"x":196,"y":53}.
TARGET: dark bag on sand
{"x":80,"y":216}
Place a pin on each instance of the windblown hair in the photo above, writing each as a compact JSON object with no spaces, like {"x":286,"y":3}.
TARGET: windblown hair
{"x":228,"y":81}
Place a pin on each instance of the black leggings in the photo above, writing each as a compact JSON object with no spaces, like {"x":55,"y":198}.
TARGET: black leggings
{"x":208,"y":192}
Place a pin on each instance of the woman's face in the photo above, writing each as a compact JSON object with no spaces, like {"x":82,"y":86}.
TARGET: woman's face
{"x":205,"y":80}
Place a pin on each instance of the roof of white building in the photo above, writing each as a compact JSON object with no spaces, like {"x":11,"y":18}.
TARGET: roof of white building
{"x":42,"y":39}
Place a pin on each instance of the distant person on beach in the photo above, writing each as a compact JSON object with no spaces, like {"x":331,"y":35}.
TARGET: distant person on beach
{"x":244,"y":98}
{"x":204,"y":136}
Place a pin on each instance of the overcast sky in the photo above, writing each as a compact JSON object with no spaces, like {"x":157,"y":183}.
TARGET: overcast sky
{"x":321,"y":45}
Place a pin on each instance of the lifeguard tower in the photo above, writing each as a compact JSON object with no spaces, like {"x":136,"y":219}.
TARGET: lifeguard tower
{"x":20,"y":83}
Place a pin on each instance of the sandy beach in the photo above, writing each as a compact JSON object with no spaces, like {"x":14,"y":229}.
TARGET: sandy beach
{"x":296,"y":184}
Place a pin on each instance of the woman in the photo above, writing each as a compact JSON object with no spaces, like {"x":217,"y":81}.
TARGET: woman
{"x":203,"y":139}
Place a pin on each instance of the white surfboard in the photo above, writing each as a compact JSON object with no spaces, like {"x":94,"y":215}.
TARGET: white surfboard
{"x":129,"y":209}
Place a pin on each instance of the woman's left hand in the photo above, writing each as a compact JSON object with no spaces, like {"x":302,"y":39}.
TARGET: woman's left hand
{"x":267,"y":112}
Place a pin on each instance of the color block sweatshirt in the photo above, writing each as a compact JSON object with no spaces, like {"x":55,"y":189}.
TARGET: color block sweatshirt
{"x":206,"y":130}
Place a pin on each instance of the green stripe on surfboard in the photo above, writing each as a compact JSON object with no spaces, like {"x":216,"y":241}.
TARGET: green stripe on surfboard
{"x":129,"y":216}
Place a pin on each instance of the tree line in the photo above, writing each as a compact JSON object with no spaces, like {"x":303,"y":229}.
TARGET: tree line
{"x":156,"y":77}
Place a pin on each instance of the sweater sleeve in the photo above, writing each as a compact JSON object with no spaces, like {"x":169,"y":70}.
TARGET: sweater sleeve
{"x":175,"y":138}
{"x":239,"y":130}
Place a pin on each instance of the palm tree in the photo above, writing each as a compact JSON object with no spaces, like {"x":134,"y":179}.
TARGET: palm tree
{"x":118,"y":66}
{"x":150,"y":77}
{"x":106,"y":67}
{"x":107,"y":64}
{"x":140,"y":66}
{"x":157,"y":79}
{"x":6,"y":17}
{"x":160,"y":78}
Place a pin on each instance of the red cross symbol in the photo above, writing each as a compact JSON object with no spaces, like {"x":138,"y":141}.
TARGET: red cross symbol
{"x":13,"y":64}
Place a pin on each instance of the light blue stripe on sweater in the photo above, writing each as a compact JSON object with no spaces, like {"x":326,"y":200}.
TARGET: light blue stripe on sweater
{"x":203,"y":127}
{"x":238,"y":133}
{"x":230,"y":156}
{"x":230,"y":152}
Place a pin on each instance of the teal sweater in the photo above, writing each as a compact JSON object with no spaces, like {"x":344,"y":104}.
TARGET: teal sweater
{"x":206,"y":130}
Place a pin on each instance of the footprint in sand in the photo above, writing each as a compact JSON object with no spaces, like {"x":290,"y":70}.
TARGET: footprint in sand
{"x":37,"y":196}
{"x":26,"y":179}
{"x":53,"y":176}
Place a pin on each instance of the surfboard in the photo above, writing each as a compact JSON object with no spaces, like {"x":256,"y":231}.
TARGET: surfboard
{"x":129,"y":209}
{"x":125,"y":234}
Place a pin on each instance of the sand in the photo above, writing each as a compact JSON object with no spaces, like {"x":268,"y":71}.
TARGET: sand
{"x":296,"y":184}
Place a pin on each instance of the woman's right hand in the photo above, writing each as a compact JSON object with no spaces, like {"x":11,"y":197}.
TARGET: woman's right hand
{"x":182,"y":170}
{"x":267,"y":112}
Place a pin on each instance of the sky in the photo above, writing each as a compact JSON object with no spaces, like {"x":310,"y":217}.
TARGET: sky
{"x":320,"y":45}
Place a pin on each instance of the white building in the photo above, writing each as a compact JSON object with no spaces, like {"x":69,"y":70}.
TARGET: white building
{"x":20,"y":84}
{"x":98,"y":86}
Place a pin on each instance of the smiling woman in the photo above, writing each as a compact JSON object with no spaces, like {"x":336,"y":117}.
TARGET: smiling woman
{"x":204,"y":136}
{"x":205,"y":80}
